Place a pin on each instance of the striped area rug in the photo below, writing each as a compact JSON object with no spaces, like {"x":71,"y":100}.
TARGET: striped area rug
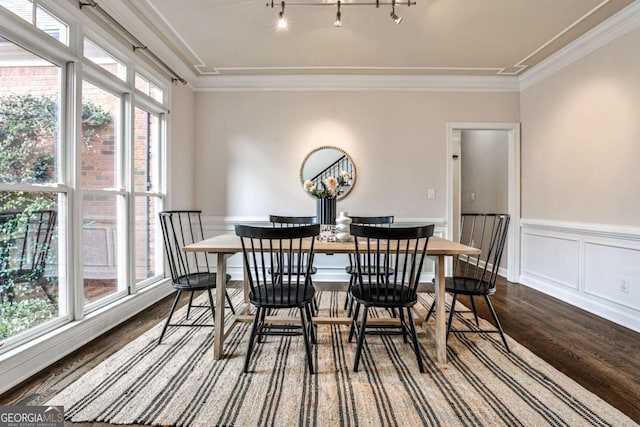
{"x":178,"y":383}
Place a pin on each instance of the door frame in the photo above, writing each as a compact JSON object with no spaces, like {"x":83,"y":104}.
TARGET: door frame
{"x":513,"y":154}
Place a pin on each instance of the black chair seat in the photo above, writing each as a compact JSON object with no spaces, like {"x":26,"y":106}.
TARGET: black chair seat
{"x":352,"y":269}
{"x":468,"y":286}
{"x":294,"y":270}
{"x":385,"y":297}
{"x":197,"y":281}
{"x":287,"y":296}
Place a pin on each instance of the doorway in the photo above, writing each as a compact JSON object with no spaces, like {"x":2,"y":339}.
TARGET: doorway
{"x":506,"y":195}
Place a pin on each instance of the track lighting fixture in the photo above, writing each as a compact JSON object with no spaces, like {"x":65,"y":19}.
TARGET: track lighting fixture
{"x":282,"y":23}
{"x":397,"y":19}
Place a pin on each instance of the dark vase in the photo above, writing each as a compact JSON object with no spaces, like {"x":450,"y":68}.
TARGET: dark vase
{"x":326,"y":211}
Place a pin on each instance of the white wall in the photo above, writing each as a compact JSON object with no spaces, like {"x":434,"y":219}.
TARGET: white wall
{"x":181,"y":151}
{"x":581,"y":182}
{"x":250,"y":146}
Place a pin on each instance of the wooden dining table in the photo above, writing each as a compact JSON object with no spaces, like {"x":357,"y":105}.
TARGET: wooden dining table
{"x":226,"y":245}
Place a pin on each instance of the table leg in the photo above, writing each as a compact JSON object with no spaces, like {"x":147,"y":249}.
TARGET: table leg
{"x":221,"y":284}
{"x":441,"y":327}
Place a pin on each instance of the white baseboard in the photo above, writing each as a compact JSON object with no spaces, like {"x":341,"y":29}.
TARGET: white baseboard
{"x":27,"y":360}
{"x":595,"y":267}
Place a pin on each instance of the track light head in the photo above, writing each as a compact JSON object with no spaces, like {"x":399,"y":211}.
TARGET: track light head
{"x":397,"y":19}
{"x":282,"y":22}
{"x":338,"y":22}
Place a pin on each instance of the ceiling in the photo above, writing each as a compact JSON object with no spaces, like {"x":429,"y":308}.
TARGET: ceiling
{"x":436,"y":37}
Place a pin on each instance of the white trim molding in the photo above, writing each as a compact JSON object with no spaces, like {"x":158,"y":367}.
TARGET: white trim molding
{"x":593,"y":266}
{"x":358,"y":83}
{"x":19,"y":364}
{"x":624,"y":21}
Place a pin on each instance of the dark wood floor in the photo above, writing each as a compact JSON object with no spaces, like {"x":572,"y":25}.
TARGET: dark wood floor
{"x":600,"y":355}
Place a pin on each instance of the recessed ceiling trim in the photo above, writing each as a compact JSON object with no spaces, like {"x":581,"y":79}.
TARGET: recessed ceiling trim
{"x":619,"y":24}
{"x":219,"y":70}
{"x":357,"y":83}
{"x":521,"y":64}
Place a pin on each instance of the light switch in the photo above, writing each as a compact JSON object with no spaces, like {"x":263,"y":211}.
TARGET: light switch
{"x":431,"y":193}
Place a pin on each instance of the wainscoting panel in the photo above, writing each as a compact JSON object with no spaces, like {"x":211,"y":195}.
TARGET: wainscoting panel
{"x":330,"y":267}
{"x":613,"y":273}
{"x":594,"y":267}
{"x":552,"y":257}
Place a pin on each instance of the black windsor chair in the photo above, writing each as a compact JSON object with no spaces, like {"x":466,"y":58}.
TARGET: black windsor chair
{"x":25,"y":241}
{"x":403,"y":250}
{"x":269,"y":248}
{"x":295,"y":221}
{"x":190,"y":271}
{"x":476,"y":276}
{"x":376,"y":221}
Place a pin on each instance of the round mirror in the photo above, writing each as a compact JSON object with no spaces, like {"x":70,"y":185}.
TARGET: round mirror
{"x":325,"y":162}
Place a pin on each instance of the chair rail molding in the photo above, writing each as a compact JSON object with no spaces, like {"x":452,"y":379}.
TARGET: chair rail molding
{"x":593,"y":266}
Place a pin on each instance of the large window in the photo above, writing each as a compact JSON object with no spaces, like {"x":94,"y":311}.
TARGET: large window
{"x":30,"y":194}
{"x":81,"y":177}
{"x":148,"y":197}
{"x":103,"y":200}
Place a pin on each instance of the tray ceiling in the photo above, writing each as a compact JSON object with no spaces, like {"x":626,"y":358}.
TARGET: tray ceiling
{"x":436,"y":37}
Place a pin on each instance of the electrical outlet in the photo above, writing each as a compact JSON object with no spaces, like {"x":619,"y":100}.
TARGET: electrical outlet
{"x":431,"y":193}
{"x":625,"y":285}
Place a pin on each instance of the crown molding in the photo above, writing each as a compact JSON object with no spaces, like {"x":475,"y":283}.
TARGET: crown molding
{"x":357,"y":83}
{"x":122,"y":11}
{"x":621,"y":23}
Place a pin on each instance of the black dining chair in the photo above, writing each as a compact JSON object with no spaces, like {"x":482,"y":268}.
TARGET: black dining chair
{"x":282,"y":221}
{"x":190,"y":271}
{"x":376,"y":221}
{"x":289,"y":249}
{"x":25,"y":243}
{"x":476,"y":275}
{"x":380,"y":250}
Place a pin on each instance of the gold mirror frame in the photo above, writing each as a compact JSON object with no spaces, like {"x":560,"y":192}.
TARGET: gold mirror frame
{"x":349,"y":166}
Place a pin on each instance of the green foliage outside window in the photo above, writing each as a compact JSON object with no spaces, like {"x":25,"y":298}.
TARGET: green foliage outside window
{"x":28,"y":126}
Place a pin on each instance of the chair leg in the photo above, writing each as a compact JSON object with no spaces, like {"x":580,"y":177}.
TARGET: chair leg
{"x":403,"y":325}
{"x":453,"y":310}
{"x":473,"y":307}
{"x":226,"y":294}
{"x":211,"y":304}
{"x":252,"y":338}
{"x":414,"y":337}
{"x":495,"y":317}
{"x":189,"y":307}
{"x":173,"y":308}
{"x":361,"y":334}
{"x":263,"y":314}
{"x":354,"y":321}
{"x":433,"y":306}
{"x":307,"y":341}
{"x":311,"y":325}
{"x":347,"y":300}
